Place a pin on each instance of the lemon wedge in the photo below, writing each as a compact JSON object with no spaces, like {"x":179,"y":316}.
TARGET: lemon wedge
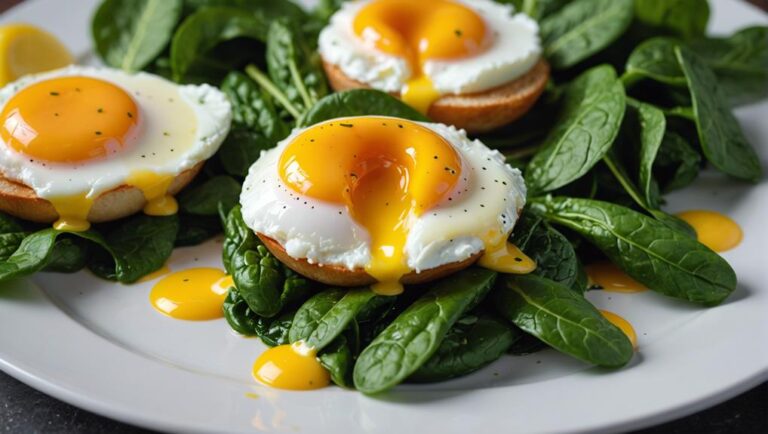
{"x":26,"y":49}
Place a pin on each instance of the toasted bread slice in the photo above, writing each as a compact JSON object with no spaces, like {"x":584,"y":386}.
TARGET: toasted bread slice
{"x":20,"y":200}
{"x":475,"y":112}
{"x":341,"y":276}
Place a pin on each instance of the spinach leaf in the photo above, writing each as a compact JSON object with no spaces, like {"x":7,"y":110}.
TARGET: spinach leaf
{"x":276,"y":332}
{"x":561,"y":318}
{"x":263,"y":281}
{"x":130,"y":34}
{"x":133,"y":247}
{"x":655,"y":59}
{"x":553,"y":253}
{"x":241,"y":149}
{"x":722,"y":140}
{"x":648,"y":126}
{"x":325,"y":315}
{"x":660,"y":258}
{"x":251,"y":109}
{"x":677,"y":163}
{"x":240,"y":317}
{"x":208,"y":27}
{"x":30,"y":257}
{"x":338,"y":359}
{"x":359,"y":102}
{"x":539,"y":9}
{"x":740,"y":63}
{"x":194,"y":229}
{"x":582,"y":28}
{"x":526,"y":344}
{"x":293,"y":67}
{"x":204,"y":199}
{"x":411,"y":339}
{"x":69,"y":254}
{"x":467,"y":347}
{"x":687,"y":18}
{"x":592,"y":114}
{"x":11,"y":236}
{"x":271,"y":10}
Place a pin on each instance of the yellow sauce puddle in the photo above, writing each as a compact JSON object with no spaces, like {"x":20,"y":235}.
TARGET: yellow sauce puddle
{"x":610,"y":278}
{"x":716,"y":231}
{"x":195,"y":294}
{"x":623,"y":325}
{"x":292,"y":366}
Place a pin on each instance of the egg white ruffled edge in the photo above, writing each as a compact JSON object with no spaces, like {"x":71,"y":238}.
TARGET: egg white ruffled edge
{"x":516,"y":49}
{"x":334,"y":238}
{"x":213,"y":116}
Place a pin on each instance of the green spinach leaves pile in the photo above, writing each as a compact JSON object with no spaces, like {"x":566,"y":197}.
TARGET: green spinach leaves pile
{"x":640,"y":100}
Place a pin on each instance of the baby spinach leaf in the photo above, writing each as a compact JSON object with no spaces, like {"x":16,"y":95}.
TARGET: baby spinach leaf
{"x":655,"y":59}
{"x":204,"y":199}
{"x":241,"y":149}
{"x":240,"y":317}
{"x":11,"y":236}
{"x":359,"y":102}
{"x":325,"y":315}
{"x":252,"y":110}
{"x":411,"y":339}
{"x":664,"y":260}
{"x":194,"y":229}
{"x":677,"y":163}
{"x":31,"y":256}
{"x":553,"y":253}
{"x":687,"y":18}
{"x":338,"y":359}
{"x":526,"y":344}
{"x":276,"y":332}
{"x":293,"y":67}
{"x":563,"y":319}
{"x":649,"y":126}
{"x":133,"y":247}
{"x":130,"y":34}
{"x":722,"y":140}
{"x":69,"y":254}
{"x":208,"y":27}
{"x":466,"y":348}
{"x":591,"y":119}
{"x":739,"y":61}
{"x":271,"y":10}
{"x":582,"y":28}
{"x":263,"y":281}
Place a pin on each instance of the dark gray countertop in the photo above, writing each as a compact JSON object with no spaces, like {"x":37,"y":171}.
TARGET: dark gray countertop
{"x":25,"y":410}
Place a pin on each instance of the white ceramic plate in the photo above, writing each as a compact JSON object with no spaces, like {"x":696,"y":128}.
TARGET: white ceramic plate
{"x":100,"y":345}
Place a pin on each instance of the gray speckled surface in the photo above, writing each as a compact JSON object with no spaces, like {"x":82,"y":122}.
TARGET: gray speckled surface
{"x":25,"y":410}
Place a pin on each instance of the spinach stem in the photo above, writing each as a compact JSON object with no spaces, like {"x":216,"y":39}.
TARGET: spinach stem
{"x":626,"y":183}
{"x":264,"y":81}
{"x":629,"y":78}
{"x":682,"y":112}
{"x":299,"y":83}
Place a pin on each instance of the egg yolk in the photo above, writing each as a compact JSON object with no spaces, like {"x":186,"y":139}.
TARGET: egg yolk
{"x":195,"y":294}
{"x":69,"y":120}
{"x":610,"y":277}
{"x":420,"y":31}
{"x":386,"y":171}
{"x":155,"y":187}
{"x":505,"y":257}
{"x":716,"y":231}
{"x":623,"y":325}
{"x":293,"y":367}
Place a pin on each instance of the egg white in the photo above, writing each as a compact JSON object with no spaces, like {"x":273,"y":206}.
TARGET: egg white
{"x":515,"y":50}
{"x":181,"y":126}
{"x":324,"y":233}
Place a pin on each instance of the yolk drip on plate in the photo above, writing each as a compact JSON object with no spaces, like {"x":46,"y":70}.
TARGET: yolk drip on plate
{"x":292,"y":366}
{"x":386,"y":171}
{"x":610,"y":277}
{"x":195,"y":294}
{"x":716,"y":231}
{"x":623,"y":325}
{"x":420,"y":31}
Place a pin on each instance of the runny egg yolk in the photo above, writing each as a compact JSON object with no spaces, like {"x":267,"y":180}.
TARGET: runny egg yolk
{"x":195,"y":294}
{"x":420,"y":31}
{"x":386,"y":171}
{"x":293,"y":367}
{"x":623,"y":325}
{"x":505,"y":257}
{"x":154,"y":186}
{"x":610,"y":278}
{"x":716,"y":231}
